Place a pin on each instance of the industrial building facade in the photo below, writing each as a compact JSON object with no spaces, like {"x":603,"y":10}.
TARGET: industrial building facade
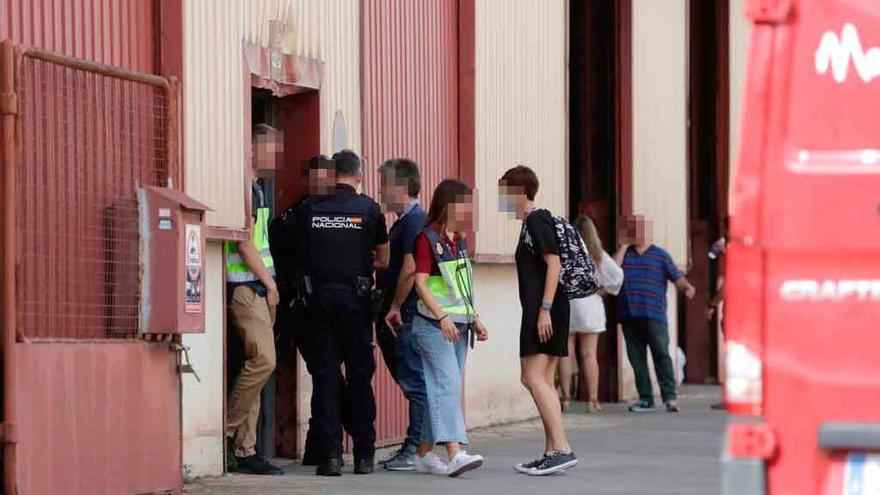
{"x":113,"y":96}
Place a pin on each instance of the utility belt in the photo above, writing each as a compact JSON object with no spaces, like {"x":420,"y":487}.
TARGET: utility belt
{"x":360,"y":286}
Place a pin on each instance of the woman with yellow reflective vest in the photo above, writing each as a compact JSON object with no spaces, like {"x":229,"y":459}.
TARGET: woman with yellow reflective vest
{"x":445,"y":326}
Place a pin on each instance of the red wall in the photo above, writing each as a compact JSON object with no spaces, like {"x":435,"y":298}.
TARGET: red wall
{"x":410,"y":87}
{"x":410,"y":109}
{"x":98,"y":419}
{"x":111,"y":32}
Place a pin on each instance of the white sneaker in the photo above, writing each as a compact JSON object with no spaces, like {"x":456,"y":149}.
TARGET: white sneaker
{"x":430,"y":464}
{"x":463,"y":463}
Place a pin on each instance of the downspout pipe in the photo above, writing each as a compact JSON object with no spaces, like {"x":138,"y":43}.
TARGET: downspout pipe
{"x":8,"y":112}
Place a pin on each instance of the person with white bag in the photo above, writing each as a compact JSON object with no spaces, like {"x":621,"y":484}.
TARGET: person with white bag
{"x":588,"y":319}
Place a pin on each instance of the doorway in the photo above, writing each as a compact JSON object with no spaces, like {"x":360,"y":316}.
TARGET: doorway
{"x":708,"y":132}
{"x":600,"y":178}
{"x":296,"y":117}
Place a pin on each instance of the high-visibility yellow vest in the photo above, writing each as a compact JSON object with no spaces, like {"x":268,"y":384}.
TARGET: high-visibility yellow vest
{"x":453,"y":288}
{"x":236,"y":269}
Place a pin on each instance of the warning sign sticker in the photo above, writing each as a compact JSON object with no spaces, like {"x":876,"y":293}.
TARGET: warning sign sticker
{"x":193,"y":269}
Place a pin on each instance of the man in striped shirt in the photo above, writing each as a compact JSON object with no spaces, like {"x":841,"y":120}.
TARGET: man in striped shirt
{"x":641,"y":309}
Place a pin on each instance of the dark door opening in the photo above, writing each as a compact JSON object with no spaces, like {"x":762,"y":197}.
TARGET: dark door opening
{"x":707,"y":178}
{"x":599,"y":183}
{"x":296,"y":118}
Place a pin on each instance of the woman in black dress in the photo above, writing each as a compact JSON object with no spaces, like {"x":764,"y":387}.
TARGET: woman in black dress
{"x":545,"y":314}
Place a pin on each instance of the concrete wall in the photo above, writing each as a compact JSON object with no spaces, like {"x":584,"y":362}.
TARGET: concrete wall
{"x":203,"y":402}
{"x":492,"y":386}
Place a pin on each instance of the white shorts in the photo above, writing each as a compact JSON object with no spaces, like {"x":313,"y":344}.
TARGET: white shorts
{"x":587,"y":315}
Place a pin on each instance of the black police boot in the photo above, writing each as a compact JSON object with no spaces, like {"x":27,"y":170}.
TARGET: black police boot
{"x":312,"y":455}
{"x":364,"y":465}
{"x":231,"y":462}
{"x":311,"y":458}
{"x":257,"y":464}
{"x":331,"y":467}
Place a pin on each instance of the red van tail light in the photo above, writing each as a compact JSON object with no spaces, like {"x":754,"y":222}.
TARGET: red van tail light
{"x":743,"y":387}
{"x":743,"y":328}
{"x":750,"y":441}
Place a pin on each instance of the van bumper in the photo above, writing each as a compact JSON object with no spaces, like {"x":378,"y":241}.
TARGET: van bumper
{"x":743,"y":476}
{"x":746,"y":446}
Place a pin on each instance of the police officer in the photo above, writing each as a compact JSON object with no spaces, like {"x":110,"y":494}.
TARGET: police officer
{"x":344,"y":239}
{"x":253,"y":293}
{"x":292,"y":324}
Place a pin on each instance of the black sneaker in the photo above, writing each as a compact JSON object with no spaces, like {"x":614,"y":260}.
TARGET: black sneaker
{"x":641,"y":406}
{"x":257,"y":464}
{"x":330,"y":467}
{"x":525,"y":467}
{"x":672,"y":406}
{"x":553,"y":463}
{"x":231,"y":463}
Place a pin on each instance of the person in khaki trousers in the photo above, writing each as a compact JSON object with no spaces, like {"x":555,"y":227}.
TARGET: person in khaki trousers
{"x":250,"y":276}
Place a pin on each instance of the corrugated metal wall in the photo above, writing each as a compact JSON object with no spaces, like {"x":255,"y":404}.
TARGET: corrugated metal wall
{"x":740,"y":27}
{"x":214,"y":153}
{"x":214,"y":65}
{"x":410,"y":91}
{"x":660,"y":82}
{"x":410,"y":87}
{"x":521,"y":108}
{"x":327,"y":31}
{"x":109,"y":32}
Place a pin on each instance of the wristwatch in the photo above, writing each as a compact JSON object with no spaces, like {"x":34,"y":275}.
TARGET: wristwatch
{"x":546,"y":305}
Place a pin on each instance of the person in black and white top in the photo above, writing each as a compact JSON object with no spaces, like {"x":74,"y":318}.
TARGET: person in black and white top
{"x":588,"y":319}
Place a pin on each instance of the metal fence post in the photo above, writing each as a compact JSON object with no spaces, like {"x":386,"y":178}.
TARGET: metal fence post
{"x":8,"y":111}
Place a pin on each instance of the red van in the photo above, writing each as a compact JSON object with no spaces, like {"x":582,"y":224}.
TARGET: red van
{"x":803,"y":276}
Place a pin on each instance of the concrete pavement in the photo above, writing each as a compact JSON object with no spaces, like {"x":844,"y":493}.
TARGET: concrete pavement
{"x":619,"y":452}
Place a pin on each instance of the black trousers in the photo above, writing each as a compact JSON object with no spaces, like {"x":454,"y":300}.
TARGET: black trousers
{"x":340,"y":332}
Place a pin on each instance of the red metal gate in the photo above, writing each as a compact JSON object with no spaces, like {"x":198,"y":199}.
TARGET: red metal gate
{"x":89,"y":407}
{"x":410,"y":109}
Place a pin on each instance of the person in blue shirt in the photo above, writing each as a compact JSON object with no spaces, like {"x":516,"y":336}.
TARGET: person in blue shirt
{"x":641,"y":309}
{"x":401,"y":184}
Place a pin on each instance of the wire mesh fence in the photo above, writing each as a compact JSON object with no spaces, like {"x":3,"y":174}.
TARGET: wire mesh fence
{"x":87,"y":140}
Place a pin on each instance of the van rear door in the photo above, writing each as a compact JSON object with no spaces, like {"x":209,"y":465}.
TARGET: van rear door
{"x":819,"y":225}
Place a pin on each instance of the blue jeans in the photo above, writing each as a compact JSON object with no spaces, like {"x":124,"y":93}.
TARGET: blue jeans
{"x":411,"y":379}
{"x":443,"y":363}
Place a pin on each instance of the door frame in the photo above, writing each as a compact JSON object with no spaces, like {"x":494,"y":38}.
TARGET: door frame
{"x":617,"y":199}
{"x":299,"y":79}
{"x":709,"y":126}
